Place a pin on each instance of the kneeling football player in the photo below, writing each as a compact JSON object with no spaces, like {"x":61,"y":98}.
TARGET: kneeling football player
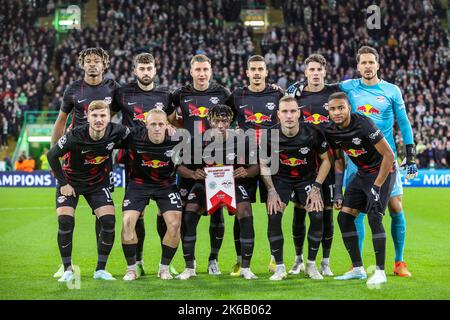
{"x":152,"y":176}
{"x":230,"y":150}
{"x":300,"y":147}
{"x":369,"y":190}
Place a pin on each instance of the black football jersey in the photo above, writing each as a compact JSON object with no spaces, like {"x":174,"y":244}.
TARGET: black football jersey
{"x":86,"y":167}
{"x":195,"y":105}
{"x":314,"y":105}
{"x":135,"y":103}
{"x":255,"y":110}
{"x":357,"y":141}
{"x":298,"y":155}
{"x":150,"y":164}
{"x":79,"y":95}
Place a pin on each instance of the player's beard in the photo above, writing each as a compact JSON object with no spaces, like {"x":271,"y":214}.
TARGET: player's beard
{"x":372,"y":75}
{"x":147,"y":82}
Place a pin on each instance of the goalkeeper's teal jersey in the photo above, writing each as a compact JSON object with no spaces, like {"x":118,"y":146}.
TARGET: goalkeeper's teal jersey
{"x":383,"y":103}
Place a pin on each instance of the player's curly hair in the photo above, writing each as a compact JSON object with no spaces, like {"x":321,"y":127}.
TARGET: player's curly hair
{"x":220,"y":111}
{"x":98,"y":52}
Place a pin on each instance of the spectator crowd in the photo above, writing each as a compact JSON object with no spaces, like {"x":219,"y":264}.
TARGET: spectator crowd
{"x":25,"y":56}
{"x":413,"y":49}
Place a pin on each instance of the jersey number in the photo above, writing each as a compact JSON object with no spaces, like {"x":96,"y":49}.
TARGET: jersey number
{"x":331,"y":186}
{"x":174,"y":198}
{"x":108,"y":194}
{"x":308,"y":188}
{"x":244,"y":192}
{"x":111,"y":178}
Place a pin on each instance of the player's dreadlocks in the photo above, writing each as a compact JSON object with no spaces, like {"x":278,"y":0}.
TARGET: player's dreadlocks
{"x":220,"y":111}
{"x":98,"y":52}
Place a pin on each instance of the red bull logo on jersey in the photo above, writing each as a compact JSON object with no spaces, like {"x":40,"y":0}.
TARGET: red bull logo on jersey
{"x":96,"y":160}
{"x":140,"y":116}
{"x":154,"y":163}
{"x":257,"y":118}
{"x":368,"y":109}
{"x":201,"y":111}
{"x":316,"y":119}
{"x":293,"y":162}
{"x":354,"y":152}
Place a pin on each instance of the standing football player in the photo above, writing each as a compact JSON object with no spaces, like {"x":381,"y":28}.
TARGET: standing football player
{"x":382,"y":102}
{"x":78,"y":95}
{"x":86,"y":172}
{"x":135,"y":100}
{"x":255,"y":108}
{"x":192,"y":103}
{"x":313,"y":101}
{"x":357,"y":136}
{"x":300,"y":148}
{"x":152,"y":176}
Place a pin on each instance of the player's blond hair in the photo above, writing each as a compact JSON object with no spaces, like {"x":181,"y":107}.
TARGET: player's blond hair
{"x":156,"y":111}
{"x":98,"y":105}
{"x":200,"y":58}
{"x":287,"y":99}
{"x":98,"y":52}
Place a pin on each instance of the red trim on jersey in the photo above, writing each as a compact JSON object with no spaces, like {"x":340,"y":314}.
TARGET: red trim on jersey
{"x":121,"y":156}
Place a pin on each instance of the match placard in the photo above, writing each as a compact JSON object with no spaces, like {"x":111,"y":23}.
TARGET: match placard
{"x":220,"y":192}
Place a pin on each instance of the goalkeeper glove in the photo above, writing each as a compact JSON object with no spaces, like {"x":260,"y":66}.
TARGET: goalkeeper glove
{"x":296,"y":89}
{"x":409,"y":162}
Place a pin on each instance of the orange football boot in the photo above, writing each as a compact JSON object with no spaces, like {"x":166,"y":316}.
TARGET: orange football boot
{"x":401,"y":270}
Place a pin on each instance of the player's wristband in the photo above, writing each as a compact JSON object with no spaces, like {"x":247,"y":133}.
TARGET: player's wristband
{"x":317,"y":185}
{"x":410,"y":153}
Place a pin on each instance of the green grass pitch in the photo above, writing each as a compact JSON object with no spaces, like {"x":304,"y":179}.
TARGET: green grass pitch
{"x":29,"y":256}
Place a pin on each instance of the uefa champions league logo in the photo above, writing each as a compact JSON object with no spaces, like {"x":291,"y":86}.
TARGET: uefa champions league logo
{"x":117,"y":179}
